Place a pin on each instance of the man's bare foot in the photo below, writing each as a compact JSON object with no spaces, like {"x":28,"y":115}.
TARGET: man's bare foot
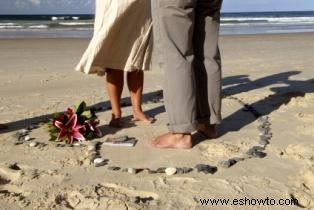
{"x":141,"y":117}
{"x":115,"y":121}
{"x":2,"y":127}
{"x":172,"y":141}
{"x":210,"y":131}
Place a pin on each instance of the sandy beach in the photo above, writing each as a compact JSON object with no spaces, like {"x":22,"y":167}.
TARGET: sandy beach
{"x":269,"y":75}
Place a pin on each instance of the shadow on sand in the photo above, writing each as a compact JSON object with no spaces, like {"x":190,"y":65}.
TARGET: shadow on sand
{"x":283,"y":88}
{"x":100,"y":107}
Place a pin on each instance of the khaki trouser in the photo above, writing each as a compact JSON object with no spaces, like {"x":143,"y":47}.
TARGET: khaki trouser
{"x":186,"y":38}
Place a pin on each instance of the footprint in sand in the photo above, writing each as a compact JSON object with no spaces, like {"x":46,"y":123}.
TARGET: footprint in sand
{"x":306,"y":126}
{"x":217,"y":151}
{"x":303,"y":189}
{"x":8,"y":175}
{"x":302,"y":152}
{"x":102,"y":196}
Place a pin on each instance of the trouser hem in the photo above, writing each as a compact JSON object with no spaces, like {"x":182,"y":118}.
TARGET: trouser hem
{"x":210,"y":120}
{"x":183,"y":128}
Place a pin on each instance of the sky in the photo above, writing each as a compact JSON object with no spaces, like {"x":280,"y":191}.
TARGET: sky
{"x":87,"y":6}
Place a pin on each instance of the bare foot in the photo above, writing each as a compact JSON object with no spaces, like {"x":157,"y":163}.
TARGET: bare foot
{"x":172,"y":141}
{"x":115,"y":121}
{"x":141,"y":117}
{"x":209,"y":131}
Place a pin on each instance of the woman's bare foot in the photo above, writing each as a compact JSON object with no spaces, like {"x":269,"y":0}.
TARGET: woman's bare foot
{"x":172,"y":141}
{"x":210,"y":131}
{"x":115,"y":121}
{"x":141,"y":117}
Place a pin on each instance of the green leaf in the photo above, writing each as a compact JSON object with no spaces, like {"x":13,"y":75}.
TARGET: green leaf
{"x":75,"y":108}
{"x":87,"y":114}
{"x":81,"y":108}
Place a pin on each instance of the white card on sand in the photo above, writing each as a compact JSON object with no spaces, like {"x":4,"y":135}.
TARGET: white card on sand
{"x":122,"y":141}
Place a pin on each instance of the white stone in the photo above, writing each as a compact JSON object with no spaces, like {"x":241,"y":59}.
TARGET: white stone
{"x":24,"y":131}
{"x":33,"y":144}
{"x":27,"y":138}
{"x":76,"y":144}
{"x":170,"y":171}
{"x":98,"y":160}
{"x":131,"y":171}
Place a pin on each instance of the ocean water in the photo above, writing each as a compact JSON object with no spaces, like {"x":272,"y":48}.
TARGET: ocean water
{"x":81,"y":26}
{"x":267,"y":22}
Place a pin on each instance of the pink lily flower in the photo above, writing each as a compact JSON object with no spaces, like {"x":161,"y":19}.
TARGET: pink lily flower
{"x":70,"y":130}
{"x":69,"y":112}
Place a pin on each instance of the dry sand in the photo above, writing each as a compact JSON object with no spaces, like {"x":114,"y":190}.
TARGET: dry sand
{"x":272,"y":73}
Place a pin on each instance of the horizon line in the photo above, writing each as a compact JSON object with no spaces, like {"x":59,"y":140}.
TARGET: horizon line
{"x":221,"y":12}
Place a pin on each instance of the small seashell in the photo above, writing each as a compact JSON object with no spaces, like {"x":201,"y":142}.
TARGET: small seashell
{"x":171,"y":171}
{"x":33,"y":144}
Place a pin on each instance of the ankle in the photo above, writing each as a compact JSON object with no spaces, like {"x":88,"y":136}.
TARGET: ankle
{"x":116,"y":115}
{"x":137,"y":111}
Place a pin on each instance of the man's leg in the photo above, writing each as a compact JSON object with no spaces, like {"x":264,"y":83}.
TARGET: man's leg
{"x":208,"y":65}
{"x":173,"y":28}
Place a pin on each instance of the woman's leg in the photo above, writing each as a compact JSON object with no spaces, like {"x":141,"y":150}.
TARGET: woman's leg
{"x":114,"y":83}
{"x":135,"y":81}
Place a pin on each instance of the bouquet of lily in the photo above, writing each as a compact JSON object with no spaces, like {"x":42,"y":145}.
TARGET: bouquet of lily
{"x":76,"y":124}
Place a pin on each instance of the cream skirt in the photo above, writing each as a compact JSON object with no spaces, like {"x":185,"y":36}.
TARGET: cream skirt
{"x":122,"y":37}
